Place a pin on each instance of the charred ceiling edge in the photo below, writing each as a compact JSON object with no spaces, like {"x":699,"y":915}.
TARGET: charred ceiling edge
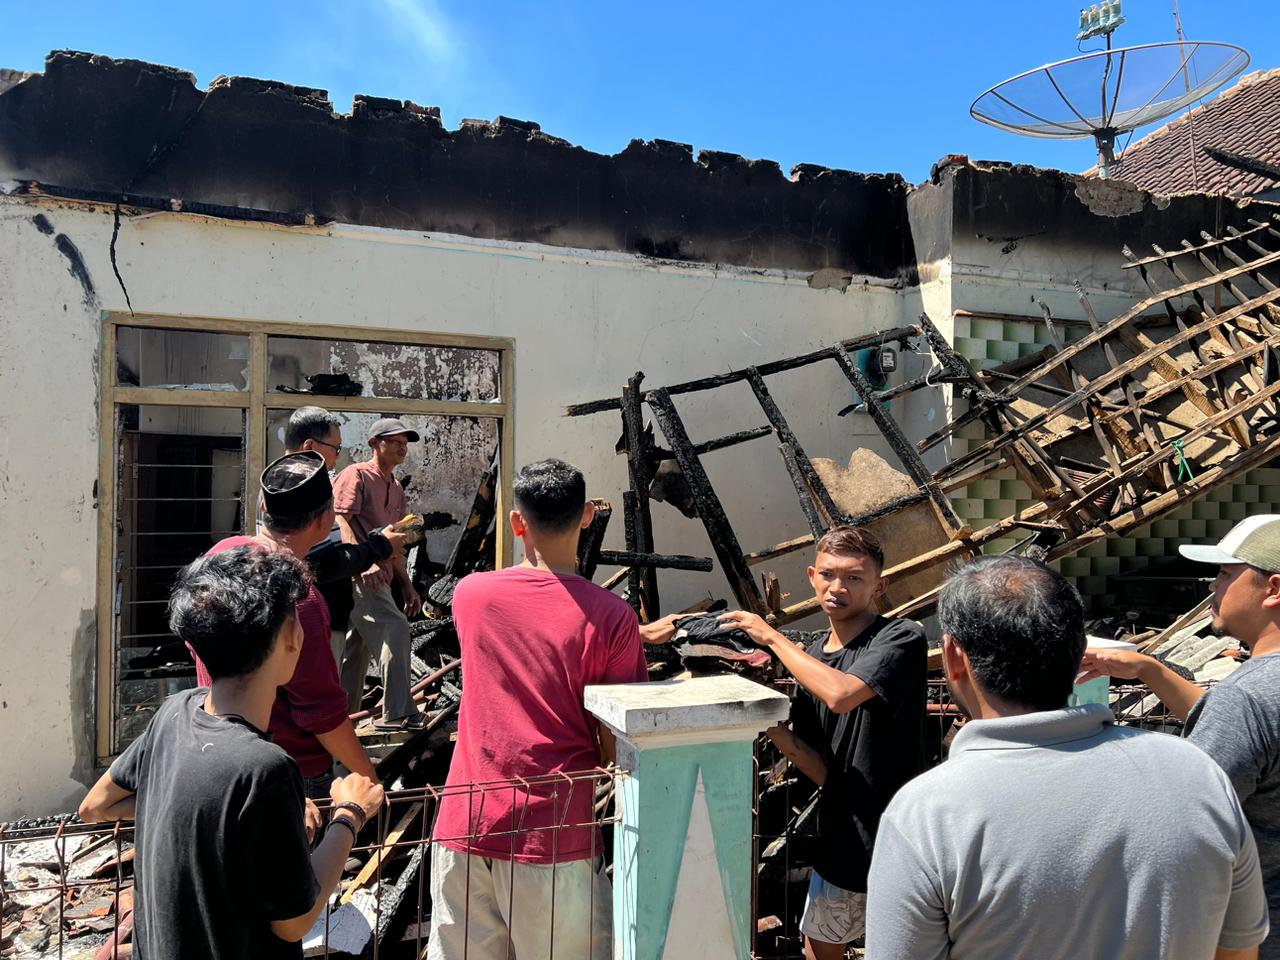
{"x":106,"y":129}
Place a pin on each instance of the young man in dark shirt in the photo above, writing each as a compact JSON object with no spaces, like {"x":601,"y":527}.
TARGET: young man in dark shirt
{"x":857,"y":725}
{"x":224,"y":867}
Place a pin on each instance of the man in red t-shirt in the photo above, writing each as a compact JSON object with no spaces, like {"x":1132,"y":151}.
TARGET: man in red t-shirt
{"x":533,"y":636}
{"x":309,"y":720}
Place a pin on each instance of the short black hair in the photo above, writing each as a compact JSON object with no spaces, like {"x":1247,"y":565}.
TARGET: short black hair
{"x":285,"y":475}
{"x":851,"y":541}
{"x":1022,"y":626}
{"x":231,"y":605}
{"x":551,"y":494}
{"x":308,"y":423}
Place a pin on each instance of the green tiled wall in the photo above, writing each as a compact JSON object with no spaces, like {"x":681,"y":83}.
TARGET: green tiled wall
{"x":990,"y":342}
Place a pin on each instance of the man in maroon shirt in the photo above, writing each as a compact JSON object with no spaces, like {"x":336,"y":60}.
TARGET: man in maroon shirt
{"x":367,"y":497}
{"x":309,"y":719}
{"x":533,"y":636}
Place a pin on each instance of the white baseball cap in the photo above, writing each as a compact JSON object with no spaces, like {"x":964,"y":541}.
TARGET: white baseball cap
{"x":1255,"y":541}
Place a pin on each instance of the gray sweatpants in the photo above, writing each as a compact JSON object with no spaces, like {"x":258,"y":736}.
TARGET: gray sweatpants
{"x":378,"y":625}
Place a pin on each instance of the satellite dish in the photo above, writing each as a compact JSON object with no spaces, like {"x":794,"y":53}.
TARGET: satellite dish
{"x":1109,"y":92}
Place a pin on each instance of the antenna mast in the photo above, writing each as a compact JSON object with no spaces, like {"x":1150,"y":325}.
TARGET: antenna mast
{"x":1102,"y":21}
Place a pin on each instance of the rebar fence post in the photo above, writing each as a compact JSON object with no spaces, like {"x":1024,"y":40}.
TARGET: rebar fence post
{"x":682,"y":849}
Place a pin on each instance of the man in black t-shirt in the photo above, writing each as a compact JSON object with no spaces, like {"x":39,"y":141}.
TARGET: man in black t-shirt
{"x":857,"y":725}
{"x":224,"y":867}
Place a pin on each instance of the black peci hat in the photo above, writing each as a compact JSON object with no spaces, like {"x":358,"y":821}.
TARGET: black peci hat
{"x":299,"y":484}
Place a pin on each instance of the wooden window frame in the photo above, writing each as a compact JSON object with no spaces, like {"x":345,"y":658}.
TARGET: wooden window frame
{"x":256,"y":401}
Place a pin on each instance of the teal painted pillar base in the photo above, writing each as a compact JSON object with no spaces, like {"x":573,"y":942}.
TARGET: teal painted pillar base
{"x":682,"y":851}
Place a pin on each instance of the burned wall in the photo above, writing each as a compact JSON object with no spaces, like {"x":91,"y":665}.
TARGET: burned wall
{"x":91,"y":126}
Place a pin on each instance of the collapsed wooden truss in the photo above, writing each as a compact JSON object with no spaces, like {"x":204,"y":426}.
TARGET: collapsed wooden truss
{"x":1134,"y":419}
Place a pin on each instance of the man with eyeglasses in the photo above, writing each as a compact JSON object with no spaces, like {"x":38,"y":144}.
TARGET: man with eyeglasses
{"x":332,"y":562}
{"x":367,"y":497}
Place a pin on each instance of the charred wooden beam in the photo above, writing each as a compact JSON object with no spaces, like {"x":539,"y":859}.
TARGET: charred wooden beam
{"x":793,"y":453}
{"x":669,"y":561}
{"x":1211,"y":244}
{"x":817,"y":526}
{"x":808,"y":540}
{"x":710,"y":511}
{"x":732,"y":439}
{"x":640,"y":472}
{"x":897,"y":335}
{"x":1119,"y":322}
{"x":629,"y":527}
{"x":901,"y":446}
{"x":591,"y":539}
{"x":780,"y":549}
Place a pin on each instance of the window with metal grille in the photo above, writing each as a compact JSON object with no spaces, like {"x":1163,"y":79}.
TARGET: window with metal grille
{"x":193,"y":410}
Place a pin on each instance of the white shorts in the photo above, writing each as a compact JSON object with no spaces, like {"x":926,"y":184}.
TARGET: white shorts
{"x":833,"y":914}
{"x":477,"y":903}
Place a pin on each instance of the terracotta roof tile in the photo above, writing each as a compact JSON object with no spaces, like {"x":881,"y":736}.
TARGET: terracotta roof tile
{"x":1209,"y":149}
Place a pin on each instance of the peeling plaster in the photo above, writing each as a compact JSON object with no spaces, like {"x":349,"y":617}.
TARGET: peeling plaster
{"x":830,"y":278}
{"x":1110,"y":198}
{"x":419,"y":372}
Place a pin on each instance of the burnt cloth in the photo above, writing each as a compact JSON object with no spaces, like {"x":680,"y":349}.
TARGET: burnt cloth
{"x":872,"y":750}
{"x":707,"y":628}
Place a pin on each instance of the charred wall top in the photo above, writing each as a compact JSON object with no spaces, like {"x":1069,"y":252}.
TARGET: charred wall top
{"x":95,"y":127}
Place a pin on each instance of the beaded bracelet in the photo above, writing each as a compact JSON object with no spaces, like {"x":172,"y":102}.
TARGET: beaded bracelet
{"x":355,"y":808}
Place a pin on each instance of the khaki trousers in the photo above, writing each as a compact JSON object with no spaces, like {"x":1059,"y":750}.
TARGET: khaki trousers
{"x":378,"y":625}
{"x":477,"y":903}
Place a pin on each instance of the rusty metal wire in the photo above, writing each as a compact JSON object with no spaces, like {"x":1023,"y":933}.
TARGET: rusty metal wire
{"x":66,"y":889}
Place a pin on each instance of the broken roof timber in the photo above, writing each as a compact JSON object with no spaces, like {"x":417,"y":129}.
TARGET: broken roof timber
{"x":1205,"y":398}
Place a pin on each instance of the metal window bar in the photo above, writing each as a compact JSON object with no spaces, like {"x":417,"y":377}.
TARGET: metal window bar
{"x":66,"y":888}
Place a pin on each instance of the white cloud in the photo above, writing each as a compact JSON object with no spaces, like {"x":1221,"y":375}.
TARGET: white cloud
{"x":427,"y":27}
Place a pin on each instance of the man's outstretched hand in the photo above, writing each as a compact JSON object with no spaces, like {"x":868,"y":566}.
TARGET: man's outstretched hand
{"x":660,"y":631}
{"x":1106,"y":662}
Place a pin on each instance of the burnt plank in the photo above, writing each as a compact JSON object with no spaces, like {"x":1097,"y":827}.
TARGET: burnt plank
{"x":670,"y":561}
{"x":640,"y":472}
{"x":732,"y":439}
{"x":817,"y":490}
{"x":900,"y":445}
{"x":591,"y":539}
{"x":816,"y":525}
{"x":897,"y":334}
{"x":723,"y":540}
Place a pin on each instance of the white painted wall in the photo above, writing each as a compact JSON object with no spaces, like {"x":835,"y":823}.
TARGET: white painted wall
{"x":582,"y":322}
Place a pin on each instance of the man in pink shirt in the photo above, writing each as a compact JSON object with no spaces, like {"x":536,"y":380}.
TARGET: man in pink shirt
{"x":533,"y":636}
{"x":367,"y":497}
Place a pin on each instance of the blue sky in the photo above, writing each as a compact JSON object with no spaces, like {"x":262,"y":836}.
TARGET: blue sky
{"x":873,"y":87}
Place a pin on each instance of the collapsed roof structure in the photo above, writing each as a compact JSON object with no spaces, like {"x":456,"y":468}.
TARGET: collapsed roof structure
{"x":1147,"y":411}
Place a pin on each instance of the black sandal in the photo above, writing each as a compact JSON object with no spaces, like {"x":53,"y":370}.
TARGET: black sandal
{"x":414,"y":721}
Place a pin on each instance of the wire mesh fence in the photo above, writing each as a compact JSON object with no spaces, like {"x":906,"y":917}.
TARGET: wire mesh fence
{"x":67,"y":888}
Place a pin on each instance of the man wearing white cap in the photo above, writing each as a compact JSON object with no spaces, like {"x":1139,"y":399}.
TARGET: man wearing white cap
{"x":1238,"y":721}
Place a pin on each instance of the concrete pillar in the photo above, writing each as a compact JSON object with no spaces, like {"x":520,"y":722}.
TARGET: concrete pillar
{"x":682,"y":852}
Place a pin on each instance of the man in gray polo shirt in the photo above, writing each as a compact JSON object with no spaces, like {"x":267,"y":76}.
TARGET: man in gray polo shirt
{"x":1238,"y":721}
{"x":1035,"y":838}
